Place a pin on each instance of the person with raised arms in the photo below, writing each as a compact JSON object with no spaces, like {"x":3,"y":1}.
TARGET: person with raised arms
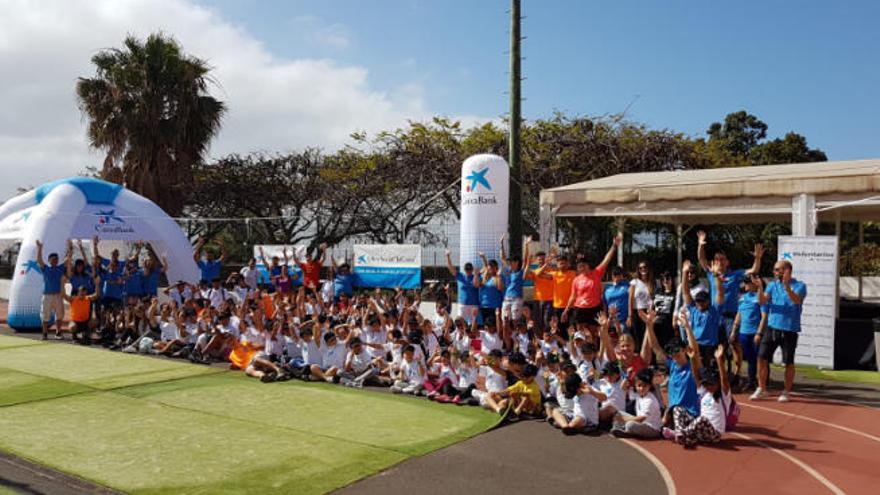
{"x":513,"y":274}
{"x":211,"y":265}
{"x":468,"y":293}
{"x":52,"y":305}
{"x":784,"y":299}
{"x":586,"y":288}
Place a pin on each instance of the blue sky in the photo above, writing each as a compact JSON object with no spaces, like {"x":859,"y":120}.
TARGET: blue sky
{"x":808,"y":66}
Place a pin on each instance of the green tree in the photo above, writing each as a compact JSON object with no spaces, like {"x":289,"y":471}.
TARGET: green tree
{"x":790,"y":149}
{"x":740,"y":132}
{"x":149,"y":109}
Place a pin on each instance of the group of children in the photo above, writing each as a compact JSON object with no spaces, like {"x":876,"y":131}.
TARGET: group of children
{"x":581,"y":374}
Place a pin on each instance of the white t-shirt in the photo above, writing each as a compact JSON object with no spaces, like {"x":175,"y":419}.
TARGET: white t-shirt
{"x":616,"y":395}
{"x":359,"y":362}
{"x":254,"y":336}
{"x":294,"y":347}
{"x":178,"y":296}
{"x":714,"y":410}
{"x":549,"y":347}
{"x":412,"y":372}
{"x":250,"y":276}
{"x":231,"y":328}
{"x":522,"y":341}
{"x":585,"y":370}
{"x":431,"y":343}
{"x":327,"y":291}
{"x":641,"y":296}
{"x":334,"y":357}
{"x":467,"y":376}
{"x":443,"y":371}
{"x":168,"y":331}
{"x":438,"y":322}
{"x":242,"y":293}
{"x":312,"y":353}
{"x":217,"y":297}
{"x":374,"y":337}
{"x":495,"y":382}
{"x":461,"y":342}
{"x":274,"y":347}
{"x":586,"y":406}
{"x":649,"y":407}
{"x":490,"y":342}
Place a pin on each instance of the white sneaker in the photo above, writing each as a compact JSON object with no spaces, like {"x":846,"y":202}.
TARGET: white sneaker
{"x":759,"y":394}
{"x":783,"y":397}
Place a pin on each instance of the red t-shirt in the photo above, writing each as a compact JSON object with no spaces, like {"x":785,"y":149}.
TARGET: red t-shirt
{"x":311,"y":273}
{"x":588,"y":289}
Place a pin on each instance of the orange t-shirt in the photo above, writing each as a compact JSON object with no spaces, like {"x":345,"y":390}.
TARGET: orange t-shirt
{"x":80,"y":309}
{"x":561,"y":286}
{"x":588,"y":289}
{"x":543,"y":287}
{"x":269,"y":306}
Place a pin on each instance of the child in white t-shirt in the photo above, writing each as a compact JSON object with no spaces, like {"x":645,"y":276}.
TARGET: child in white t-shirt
{"x":612,"y":386}
{"x":411,"y":377}
{"x":495,"y":380}
{"x":647,"y":422}
{"x":578,"y":406}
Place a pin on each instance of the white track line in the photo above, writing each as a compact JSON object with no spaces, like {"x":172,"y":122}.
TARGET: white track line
{"x":805,"y":418}
{"x":812,"y":472}
{"x":664,"y":473}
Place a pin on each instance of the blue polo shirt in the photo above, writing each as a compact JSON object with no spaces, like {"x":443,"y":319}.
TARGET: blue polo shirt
{"x":782,"y":314}
{"x":108,"y":290}
{"x":733,"y":279}
{"x":683,"y":387}
{"x":617,"y":295}
{"x":150,"y":283}
{"x":490,"y":296}
{"x":513,"y":284}
{"x":344,"y":284}
{"x":705,"y":324}
{"x":210,"y":269}
{"x":84,"y":279}
{"x":468,"y":295}
{"x":105,"y":264}
{"x":52,"y":278}
{"x":134,"y":285}
{"x":750,"y":313}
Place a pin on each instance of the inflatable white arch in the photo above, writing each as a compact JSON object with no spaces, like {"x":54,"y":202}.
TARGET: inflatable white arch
{"x":81,"y":208}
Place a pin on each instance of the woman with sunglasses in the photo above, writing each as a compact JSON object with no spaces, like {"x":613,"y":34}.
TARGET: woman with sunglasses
{"x":641,"y":296}
{"x":664,"y":305}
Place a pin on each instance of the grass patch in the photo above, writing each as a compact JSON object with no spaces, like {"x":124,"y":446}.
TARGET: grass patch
{"x":850,"y":376}
{"x":150,"y":426}
{"x":7,"y":342}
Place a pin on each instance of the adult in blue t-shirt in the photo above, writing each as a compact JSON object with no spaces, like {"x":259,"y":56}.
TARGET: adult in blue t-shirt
{"x":616,"y":295}
{"x":468,"y":294}
{"x":749,"y":317}
{"x":343,"y":279}
{"x":209,"y":266}
{"x":132,"y":288}
{"x":80,"y":275}
{"x":731,"y":280}
{"x":784,"y":298}
{"x":52,"y":304}
{"x":150,"y":277}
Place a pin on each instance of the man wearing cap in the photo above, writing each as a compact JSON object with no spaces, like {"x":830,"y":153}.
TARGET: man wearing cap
{"x":704,"y":318}
{"x":52,"y":303}
{"x":468,"y":294}
{"x":731,"y":280}
{"x":784,"y":298}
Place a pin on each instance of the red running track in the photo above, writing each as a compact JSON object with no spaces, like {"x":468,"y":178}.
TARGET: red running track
{"x":806,"y":446}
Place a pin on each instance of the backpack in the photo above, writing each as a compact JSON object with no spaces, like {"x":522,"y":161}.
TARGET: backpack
{"x":731,"y":413}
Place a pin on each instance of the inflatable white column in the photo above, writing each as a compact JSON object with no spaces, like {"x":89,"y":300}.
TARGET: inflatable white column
{"x":50,"y":223}
{"x":485,"y":188}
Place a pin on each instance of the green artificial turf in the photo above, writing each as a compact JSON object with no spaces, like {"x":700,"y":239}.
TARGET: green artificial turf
{"x":143,"y":425}
{"x":7,"y":342}
{"x":850,"y":376}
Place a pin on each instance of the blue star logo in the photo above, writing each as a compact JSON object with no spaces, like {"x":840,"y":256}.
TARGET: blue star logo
{"x":787,"y":256}
{"x":25,"y":216}
{"x":478,"y":179}
{"x":107,"y":216}
{"x":30,"y":265}
{"x":362,"y":259}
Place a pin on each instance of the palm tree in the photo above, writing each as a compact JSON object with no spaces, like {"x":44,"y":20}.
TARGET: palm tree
{"x":149,"y":109}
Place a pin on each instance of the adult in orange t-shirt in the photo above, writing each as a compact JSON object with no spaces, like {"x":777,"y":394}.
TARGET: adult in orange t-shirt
{"x":311,"y":268}
{"x":81,"y":311}
{"x":586,"y":288}
{"x":561,"y":277}
{"x":543,"y":307}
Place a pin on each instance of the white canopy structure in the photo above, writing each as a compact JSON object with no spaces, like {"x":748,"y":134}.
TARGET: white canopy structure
{"x":806,"y":193}
{"x":81,"y":208}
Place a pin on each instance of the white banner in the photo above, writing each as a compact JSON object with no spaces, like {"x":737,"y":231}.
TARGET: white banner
{"x":814,"y":262}
{"x":388,"y":265}
{"x":485,"y":189}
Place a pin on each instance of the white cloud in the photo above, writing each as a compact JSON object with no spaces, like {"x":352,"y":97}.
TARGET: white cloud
{"x":274,"y":103}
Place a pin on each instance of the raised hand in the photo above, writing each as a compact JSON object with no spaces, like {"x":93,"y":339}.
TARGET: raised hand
{"x":701,"y":237}
{"x":448,"y":252}
{"x":602,"y":318}
{"x":39,"y":244}
{"x":686,"y":265}
{"x":786,"y":277}
{"x":618,"y":239}
{"x":759,"y":250}
{"x":652,"y":316}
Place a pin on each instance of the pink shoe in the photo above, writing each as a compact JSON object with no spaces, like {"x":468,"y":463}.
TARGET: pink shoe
{"x":456,"y":400}
{"x":668,"y":434}
{"x":444,"y":399}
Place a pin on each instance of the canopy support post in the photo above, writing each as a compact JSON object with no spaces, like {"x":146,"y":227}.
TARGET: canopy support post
{"x":803,"y":215}
{"x":837,"y":230}
{"x":547,"y":226}
{"x":861,"y":241}
{"x":679,"y":240}
{"x":621,"y":223}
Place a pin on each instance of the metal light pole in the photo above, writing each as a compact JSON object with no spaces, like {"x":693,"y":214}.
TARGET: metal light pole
{"x":515,"y":211}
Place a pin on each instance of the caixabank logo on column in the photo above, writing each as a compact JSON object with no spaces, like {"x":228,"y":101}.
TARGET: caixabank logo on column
{"x":478,"y":189}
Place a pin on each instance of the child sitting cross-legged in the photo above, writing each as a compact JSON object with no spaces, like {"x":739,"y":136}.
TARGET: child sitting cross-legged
{"x":647,"y":421}
{"x":523,"y":398}
{"x":578,"y":409}
{"x":411,"y":377}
